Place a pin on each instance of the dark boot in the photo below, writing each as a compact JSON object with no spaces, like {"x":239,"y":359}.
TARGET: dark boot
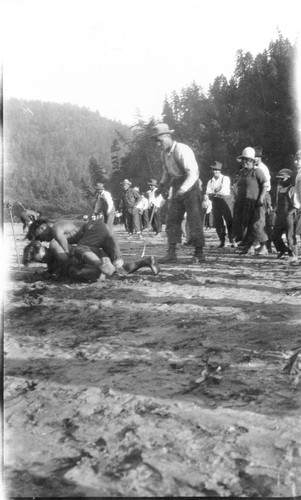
{"x":171,"y":254}
{"x":199,"y":256}
{"x":150,"y":262}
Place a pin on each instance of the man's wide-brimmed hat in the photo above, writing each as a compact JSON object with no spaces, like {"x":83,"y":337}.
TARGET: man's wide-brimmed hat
{"x":160,"y":129}
{"x":217,"y":165}
{"x":126,"y":181}
{"x":248,"y":154}
{"x":99,"y":185}
{"x":285,"y":172}
{"x":136,"y":189}
{"x":153,"y":182}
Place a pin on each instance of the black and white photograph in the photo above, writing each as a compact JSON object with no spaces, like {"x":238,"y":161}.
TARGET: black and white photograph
{"x":151,"y":248}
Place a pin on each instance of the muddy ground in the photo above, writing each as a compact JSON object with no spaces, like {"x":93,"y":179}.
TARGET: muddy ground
{"x":142,"y":385}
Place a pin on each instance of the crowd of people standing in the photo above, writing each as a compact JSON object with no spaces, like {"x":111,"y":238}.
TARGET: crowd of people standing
{"x":241,"y":208}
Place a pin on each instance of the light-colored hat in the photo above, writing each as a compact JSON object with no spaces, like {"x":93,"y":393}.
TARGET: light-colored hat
{"x":99,"y":185}
{"x":285,"y":172}
{"x":160,"y":129}
{"x":217,"y":165}
{"x":248,"y":153}
{"x":136,"y":189}
{"x":126,"y":181}
{"x":153,"y":182}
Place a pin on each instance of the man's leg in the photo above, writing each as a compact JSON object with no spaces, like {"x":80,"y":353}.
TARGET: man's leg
{"x":193,"y":204}
{"x":94,"y":258}
{"x":175,"y":214}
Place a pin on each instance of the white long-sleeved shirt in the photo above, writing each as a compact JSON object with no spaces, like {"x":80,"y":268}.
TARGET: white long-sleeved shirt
{"x":104,"y":199}
{"x":267,"y":174}
{"x":154,"y":200}
{"x":298,"y":186}
{"x":188,"y":165}
{"x":219,"y":187}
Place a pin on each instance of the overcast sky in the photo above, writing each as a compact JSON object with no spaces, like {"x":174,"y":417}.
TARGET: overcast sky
{"x":118,"y":56}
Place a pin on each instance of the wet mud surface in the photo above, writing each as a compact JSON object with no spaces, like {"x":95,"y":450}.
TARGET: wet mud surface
{"x":142,"y":385}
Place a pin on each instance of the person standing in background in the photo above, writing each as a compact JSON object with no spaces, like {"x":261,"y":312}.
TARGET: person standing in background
{"x":128,"y":205}
{"x":218,"y":191}
{"x":265,"y":247}
{"x":104,"y":205}
{"x":154,"y":206}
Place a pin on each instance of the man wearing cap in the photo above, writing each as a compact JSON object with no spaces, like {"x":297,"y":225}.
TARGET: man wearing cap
{"x":265,"y":247}
{"x":181,"y":171}
{"x":128,"y":205}
{"x":104,"y":205}
{"x":249,"y":213}
{"x":287,"y":205}
{"x":218,"y":191}
{"x":154,"y":206}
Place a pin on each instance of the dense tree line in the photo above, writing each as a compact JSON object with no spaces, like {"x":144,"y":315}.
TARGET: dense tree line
{"x":55,"y":153}
{"x":258,"y":106}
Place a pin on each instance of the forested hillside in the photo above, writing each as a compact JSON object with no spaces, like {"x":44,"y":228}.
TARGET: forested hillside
{"x":48,"y":148}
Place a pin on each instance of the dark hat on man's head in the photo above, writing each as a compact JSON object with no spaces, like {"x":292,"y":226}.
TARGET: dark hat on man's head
{"x":258,"y":151}
{"x":99,"y":185}
{"x":285,"y":172}
{"x":153,"y":182}
{"x":217,"y":165}
{"x":160,"y":129}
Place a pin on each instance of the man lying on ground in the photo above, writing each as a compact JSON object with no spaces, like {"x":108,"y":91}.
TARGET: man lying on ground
{"x":91,"y":238}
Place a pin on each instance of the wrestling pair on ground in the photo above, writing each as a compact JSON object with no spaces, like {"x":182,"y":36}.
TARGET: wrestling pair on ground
{"x":82,"y":251}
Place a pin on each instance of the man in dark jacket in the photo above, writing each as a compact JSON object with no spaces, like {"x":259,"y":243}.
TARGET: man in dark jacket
{"x":128,"y":205}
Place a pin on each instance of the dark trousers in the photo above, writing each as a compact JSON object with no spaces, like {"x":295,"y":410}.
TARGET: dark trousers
{"x":97,"y":234}
{"x":285,"y":223}
{"x":249,"y":222}
{"x":132,"y":220}
{"x":156,"y":219}
{"x":222,"y":217}
{"x":191,"y":203}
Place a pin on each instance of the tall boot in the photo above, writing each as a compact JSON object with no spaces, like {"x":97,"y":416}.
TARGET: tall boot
{"x":150,"y":262}
{"x":199,"y":256}
{"x":171,"y":254}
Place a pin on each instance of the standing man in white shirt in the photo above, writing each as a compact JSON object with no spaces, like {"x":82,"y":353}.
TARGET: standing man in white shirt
{"x":181,"y":172}
{"x":104,"y":205}
{"x":154,"y":206}
{"x":218,"y":191}
{"x":265,"y":246}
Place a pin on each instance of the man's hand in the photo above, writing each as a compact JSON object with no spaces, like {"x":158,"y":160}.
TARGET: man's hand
{"x":259,"y":202}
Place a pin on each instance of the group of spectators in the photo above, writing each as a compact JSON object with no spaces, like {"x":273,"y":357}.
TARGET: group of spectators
{"x":241,"y":208}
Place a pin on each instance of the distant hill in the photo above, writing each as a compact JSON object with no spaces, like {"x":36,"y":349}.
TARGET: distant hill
{"x":47,"y":151}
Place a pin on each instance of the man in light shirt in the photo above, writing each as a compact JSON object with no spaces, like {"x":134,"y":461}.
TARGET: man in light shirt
{"x":181,"y":172}
{"x":218,"y":191}
{"x":104,"y":205}
{"x":154,"y":206}
{"x":265,"y":246}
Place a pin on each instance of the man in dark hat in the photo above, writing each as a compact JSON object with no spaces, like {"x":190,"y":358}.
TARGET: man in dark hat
{"x":218,"y":191}
{"x":104,"y":205}
{"x":287,"y":205}
{"x":128,"y":205}
{"x":181,"y":173}
{"x":154,"y":206}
